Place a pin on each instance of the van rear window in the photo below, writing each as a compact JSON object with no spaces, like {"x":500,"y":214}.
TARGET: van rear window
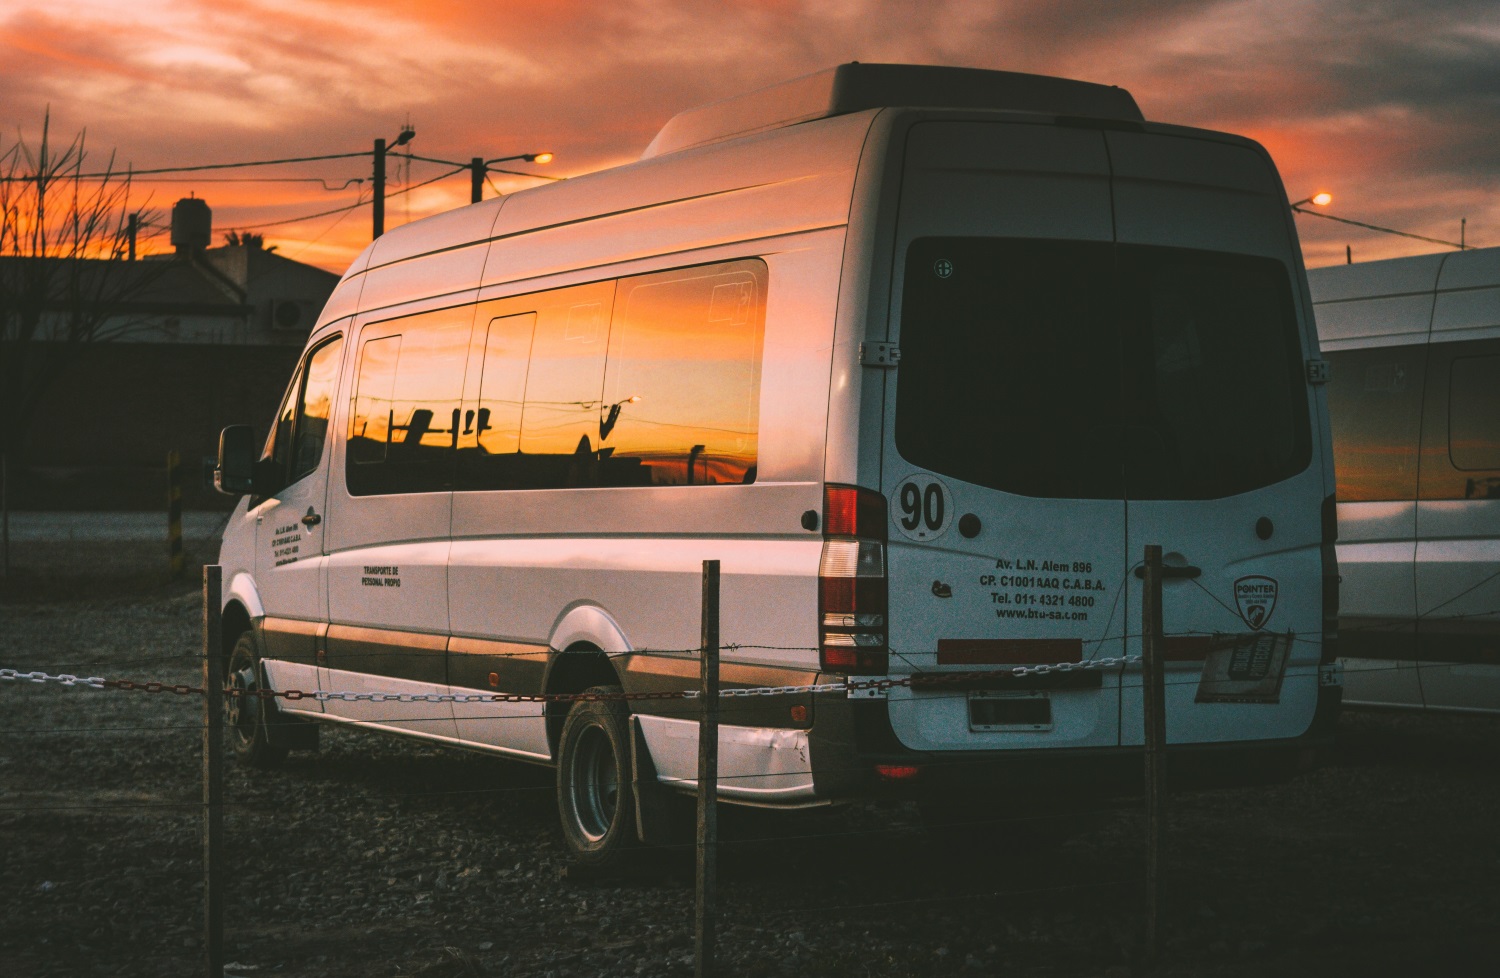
{"x":1089,"y":370}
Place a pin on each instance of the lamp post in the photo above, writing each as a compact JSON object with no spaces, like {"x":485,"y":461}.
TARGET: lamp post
{"x":407,"y":132}
{"x":613,"y":416}
{"x":1322,"y":199}
{"x":478,"y":167}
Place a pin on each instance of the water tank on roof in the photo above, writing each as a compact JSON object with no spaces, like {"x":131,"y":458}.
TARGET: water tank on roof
{"x":192,"y":225}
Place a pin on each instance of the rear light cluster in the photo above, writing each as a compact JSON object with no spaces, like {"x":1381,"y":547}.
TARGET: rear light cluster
{"x":852,"y":582}
{"x":1330,"y":581}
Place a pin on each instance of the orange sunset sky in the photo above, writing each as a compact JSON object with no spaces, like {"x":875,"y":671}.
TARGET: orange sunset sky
{"x":1391,"y":105}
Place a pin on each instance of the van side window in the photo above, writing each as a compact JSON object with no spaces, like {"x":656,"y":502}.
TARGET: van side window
{"x":559,"y":437}
{"x":1474,"y":414}
{"x":405,"y":417}
{"x":1375,"y":411}
{"x":370,"y":429}
{"x":295,"y":444}
{"x":279,"y":441}
{"x":489,"y":442}
{"x":316,"y":407}
{"x":682,"y":389}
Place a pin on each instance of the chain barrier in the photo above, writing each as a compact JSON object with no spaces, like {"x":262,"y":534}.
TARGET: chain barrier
{"x":323,"y":696}
{"x":13,"y":675}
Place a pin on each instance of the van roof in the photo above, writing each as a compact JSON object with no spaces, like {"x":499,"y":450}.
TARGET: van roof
{"x":855,"y":87}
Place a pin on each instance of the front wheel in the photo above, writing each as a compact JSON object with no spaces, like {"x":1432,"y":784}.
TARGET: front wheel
{"x":245,"y":713}
{"x":593,"y":781}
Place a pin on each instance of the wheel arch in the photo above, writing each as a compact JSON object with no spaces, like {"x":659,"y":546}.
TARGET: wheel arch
{"x":235,"y":622}
{"x":242,"y":609}
{"x":585,"y":637}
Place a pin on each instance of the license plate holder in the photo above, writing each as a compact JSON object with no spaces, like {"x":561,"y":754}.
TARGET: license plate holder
{"x":997,"y":711}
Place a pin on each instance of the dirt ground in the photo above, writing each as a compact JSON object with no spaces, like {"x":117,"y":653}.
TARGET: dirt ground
{"x":380,"y":857}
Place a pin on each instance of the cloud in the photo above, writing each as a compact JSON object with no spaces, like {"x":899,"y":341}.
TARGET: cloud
{"x":1390,"y":104}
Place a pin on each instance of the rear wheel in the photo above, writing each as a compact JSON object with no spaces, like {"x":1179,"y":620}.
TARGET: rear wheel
{"x":593,"y":781}
{"x":245,"y":713}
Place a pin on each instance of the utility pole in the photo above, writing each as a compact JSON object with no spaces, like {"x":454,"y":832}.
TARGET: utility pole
{"x":379,"y":201}
{"x":476,"y":179}
{"x":407,"y":132}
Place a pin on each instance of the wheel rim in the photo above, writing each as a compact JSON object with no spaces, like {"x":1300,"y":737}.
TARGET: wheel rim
{"x":241,"y":712}
{"x":594,"y":784}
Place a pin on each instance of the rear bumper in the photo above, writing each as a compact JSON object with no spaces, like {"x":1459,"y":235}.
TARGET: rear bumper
{"x":852,"y":737}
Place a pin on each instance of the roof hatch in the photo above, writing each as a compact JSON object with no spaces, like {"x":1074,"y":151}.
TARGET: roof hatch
{"x":854,"y":87}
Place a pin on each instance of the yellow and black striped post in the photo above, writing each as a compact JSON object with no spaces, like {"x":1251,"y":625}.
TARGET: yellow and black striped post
{"x":174,"y":512}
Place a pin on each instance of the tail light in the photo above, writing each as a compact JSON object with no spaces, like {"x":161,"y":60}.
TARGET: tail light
{"x":852,"y":582}
{"x":1330,"y":581}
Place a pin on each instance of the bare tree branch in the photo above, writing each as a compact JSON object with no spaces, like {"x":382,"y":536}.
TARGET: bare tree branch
{"x":63,"y":283}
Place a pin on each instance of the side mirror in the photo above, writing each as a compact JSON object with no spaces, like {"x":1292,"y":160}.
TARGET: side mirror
{"x":235,"y":473}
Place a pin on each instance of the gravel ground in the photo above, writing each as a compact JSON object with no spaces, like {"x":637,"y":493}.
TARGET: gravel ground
{"x":381,"y":857}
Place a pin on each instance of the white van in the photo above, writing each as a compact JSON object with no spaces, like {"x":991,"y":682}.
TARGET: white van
{"x":1414,"y":349}
{"x":924,"y":356}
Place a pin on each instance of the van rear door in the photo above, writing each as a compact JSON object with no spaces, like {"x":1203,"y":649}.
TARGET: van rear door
{"x":1000,"y":467}
{"x":1217,"y":436}
{"x":1102,"y":346}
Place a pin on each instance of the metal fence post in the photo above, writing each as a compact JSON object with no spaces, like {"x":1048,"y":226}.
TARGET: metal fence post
{"x":1153,"y":705}
{"x":213,"y":771}
{"x":708,"y":778}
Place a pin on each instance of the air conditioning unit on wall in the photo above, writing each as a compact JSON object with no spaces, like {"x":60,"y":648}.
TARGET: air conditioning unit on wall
{"x":292,"y":315}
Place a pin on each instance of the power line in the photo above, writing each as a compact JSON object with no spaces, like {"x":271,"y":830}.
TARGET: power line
{"x":131,"y":173}
{"x":341,"y":210}
{"x":319,"y":236}
{"x":521,"y":173}
{"x":321,"y":180}
{"x":296,"y":220}
{"x":1376,"y":227}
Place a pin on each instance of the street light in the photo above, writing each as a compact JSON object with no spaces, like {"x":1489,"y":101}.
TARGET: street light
{"x":407,"y":132}
{"x":478,"y":167}
{"x":610,"y":419}
{"x":1322,"y":199}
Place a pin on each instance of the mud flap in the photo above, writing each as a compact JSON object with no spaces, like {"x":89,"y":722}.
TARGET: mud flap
{"x":284,"y":731}
{"x":653,"y":810}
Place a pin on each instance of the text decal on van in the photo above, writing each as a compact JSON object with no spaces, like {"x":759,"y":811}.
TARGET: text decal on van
{"x":286,"y":544}
{"x":922,"y":507}
{"x":1255,"y":597}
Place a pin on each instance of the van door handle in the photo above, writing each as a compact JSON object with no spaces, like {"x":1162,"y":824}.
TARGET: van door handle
{"x":1168,"y":570}
{"x":311,"y":519}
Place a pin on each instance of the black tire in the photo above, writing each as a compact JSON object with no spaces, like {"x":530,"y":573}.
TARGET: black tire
{"x":245,"y":715}
{"x":594,"y":795}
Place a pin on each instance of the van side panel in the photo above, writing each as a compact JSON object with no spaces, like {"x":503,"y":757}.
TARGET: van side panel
{"x":784,"y":182}
{"x":452,"y":272}
{"x":1458,"y":506}
{"x":1373,"y":322}
{"x":1418,"y":550}
{"x":521,"y":558}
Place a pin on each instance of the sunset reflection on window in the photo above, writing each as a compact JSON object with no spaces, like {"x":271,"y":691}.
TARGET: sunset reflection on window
{"x":682,"y":389}
{"x":405,"y":416}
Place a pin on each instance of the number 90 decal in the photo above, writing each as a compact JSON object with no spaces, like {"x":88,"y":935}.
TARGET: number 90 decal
{"x":921,"y":507}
